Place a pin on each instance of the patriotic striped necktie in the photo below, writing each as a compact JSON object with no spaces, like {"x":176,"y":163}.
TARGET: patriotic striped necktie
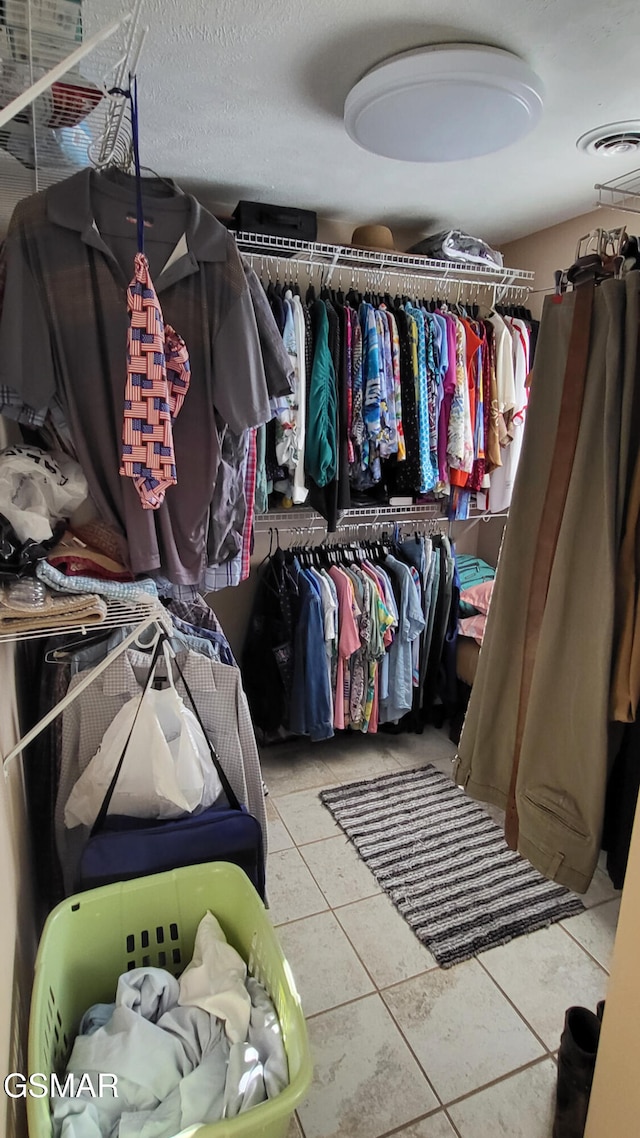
{"x":158,"y":378}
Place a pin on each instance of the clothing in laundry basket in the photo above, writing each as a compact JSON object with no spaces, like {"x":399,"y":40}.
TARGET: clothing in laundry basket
{"x":174,"y":1063}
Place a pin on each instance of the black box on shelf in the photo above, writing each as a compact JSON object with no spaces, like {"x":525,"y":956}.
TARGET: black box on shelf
{"x":276,"y":220}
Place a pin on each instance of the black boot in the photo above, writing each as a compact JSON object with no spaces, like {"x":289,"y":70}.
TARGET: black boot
{"x":576,"y":1064}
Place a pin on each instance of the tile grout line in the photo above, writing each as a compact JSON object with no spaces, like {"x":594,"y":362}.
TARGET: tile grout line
{"x":515,"y":1007}
{"x":274,"y":793}
{"x":381,"y":987}
{"x":376,"y":992}
{"x":457,"y":1133}
{"x":414,"y":1122}
{"x":314,"y":842}
{"x":349,"y":941}
{"x":347,"y":843}
{"x":282,"y":822}
{"x":328,"y":906}
{"x":307,"y":916}
{"x":501,"y":1079}
{"x":596,"y":905}
{"x":344,"y":1004}
{"x":476,"y":1090}
{"x":586,"y":951}
{"x":410,"y":1048}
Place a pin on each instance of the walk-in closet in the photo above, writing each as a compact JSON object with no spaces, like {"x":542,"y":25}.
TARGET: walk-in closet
{"x":319,"y":612}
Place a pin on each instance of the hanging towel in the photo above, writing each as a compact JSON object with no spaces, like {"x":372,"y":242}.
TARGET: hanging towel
{"x":157,"y":381}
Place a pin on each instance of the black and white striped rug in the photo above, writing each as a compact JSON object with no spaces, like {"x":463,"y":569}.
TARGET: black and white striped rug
{"x":445,"y":864}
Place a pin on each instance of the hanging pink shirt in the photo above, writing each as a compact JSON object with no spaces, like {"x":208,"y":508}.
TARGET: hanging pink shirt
{"x":348,"y":643}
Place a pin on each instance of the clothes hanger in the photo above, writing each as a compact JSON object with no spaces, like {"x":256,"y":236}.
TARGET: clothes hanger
{"x":267,"y":556}
{"x":159,"y":178}
{"x":55,"y":655}
{"x":147,"y":644}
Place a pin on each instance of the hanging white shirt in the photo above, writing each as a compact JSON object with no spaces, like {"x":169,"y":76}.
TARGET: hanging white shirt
{"x":505,"y":378}
{"x":300,"y":491}
{"x":503,"y":478}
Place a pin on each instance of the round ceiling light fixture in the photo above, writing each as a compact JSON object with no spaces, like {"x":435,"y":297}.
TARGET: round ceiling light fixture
{"x":613,"y":140}
{"x":444,"y":103}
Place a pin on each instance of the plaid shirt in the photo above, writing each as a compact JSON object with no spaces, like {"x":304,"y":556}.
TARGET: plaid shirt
{"x":220,"y":699}
{"x":237,"y":569}
{"x":250,"y":492}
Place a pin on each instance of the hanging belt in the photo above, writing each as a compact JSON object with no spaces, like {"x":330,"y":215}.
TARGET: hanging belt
{"x":549,"y":530}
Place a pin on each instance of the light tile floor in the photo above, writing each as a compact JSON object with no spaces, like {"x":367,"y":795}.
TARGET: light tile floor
{"x":400,"y":1046}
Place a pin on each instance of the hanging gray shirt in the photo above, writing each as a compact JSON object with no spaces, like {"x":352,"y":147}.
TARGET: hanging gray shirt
{"x":69,"y":258}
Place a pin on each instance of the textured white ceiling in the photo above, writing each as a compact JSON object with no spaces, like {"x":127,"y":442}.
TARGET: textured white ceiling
{"x":244,"y":98}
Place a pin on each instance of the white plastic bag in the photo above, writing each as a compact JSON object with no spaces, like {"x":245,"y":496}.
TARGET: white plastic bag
{"x":37,"y":488}
{"x":167,"y":769}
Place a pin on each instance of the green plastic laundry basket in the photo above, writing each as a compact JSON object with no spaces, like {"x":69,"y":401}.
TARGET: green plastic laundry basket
{"x":90,"y":939}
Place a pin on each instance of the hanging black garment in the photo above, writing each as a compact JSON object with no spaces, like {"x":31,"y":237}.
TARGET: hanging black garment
{"x":622,"y":798}
{"x":534,"y":328}
{"x":278,"y":309}
{"x":41,"y":687}
{"x":448,"y":688}
{"x":267,"y":659}
{"x":441,"y":621}
{"x":308,"y":351}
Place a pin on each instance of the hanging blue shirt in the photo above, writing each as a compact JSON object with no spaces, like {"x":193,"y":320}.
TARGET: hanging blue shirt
{"x":311,"y":700}
{"x":411,"y":624}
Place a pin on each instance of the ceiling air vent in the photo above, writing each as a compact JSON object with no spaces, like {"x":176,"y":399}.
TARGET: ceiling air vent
{"x":612,"y":140}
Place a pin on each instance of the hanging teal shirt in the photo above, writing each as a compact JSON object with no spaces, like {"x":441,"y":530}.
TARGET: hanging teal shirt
{"x":321,"y":444}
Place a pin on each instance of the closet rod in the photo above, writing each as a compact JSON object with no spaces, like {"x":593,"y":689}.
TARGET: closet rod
{"x":155,"y":617}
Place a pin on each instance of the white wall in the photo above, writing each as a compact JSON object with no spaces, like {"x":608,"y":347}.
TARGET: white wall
{"x":17,"y":927}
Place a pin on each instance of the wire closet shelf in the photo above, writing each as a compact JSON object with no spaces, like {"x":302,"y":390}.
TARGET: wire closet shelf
{"x":266,"y":251}
{"x":301,"y":521}
{"x":621,"y":193}
{"x":120,"y":614}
